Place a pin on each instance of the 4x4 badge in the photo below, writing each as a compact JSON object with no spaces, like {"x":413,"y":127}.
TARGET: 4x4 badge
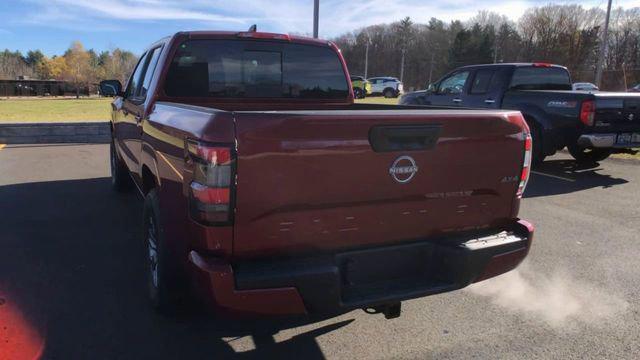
{"x":403,"y":169}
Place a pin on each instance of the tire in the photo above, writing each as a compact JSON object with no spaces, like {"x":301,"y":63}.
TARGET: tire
{"x":120,"y":179}
{"x":165,"y":278}
{"x":588,"y":155}
{"x":389,"y":93}
{"x":358,"y":93}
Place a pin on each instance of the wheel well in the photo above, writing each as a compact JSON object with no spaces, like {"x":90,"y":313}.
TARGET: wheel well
{"x":388,"y":88}
{"x":148,"y":180}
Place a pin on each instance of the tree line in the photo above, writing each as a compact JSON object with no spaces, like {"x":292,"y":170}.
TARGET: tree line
{"x":569,"y":35}
{"x":78,"y":66}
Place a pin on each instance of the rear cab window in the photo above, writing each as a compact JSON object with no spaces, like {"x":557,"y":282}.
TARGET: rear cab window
{"x":540,"y":78}
{"x":482,"y":81}
{"x":252,"y":69}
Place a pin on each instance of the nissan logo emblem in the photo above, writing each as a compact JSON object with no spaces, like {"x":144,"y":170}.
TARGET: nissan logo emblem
{"x":403,"y":169}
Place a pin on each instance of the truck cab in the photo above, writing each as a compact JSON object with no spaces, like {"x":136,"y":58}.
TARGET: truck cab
{"x":590,"y":124}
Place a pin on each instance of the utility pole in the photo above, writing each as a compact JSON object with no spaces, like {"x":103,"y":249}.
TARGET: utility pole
{"x":433,"y":54}
{"x":402,"y":65}
{"x":604,"y":46}
{"x":316,"y":15}
{"x":366,"y":58}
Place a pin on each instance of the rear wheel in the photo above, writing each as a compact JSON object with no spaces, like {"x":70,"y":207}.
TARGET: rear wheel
{"x":358,"y":93}
{"x":588,"y":154}
{"x":120,"y":180}
{"x":389,"y":93}
{"x":166,"y":291}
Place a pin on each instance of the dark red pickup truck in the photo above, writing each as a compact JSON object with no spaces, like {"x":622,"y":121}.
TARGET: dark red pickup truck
{"x":269,"y":192}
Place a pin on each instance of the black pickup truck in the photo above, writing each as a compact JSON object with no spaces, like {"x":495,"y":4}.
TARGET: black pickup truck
{"x":590,"y":124}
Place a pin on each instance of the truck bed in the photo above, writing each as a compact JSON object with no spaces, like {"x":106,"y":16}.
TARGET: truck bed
{"x":311,"y":180}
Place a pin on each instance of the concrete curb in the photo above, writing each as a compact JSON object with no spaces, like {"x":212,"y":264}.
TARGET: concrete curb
{"x":40,"y":133}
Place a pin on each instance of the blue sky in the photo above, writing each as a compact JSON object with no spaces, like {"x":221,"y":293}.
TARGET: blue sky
{"x":51,"y":25}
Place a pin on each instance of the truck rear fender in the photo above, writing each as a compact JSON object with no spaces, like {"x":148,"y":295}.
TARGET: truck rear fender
{"x":535,"y":116}
{"x":165,"y":136}
{"x":149,"y":169}
{"x":538,"y":120}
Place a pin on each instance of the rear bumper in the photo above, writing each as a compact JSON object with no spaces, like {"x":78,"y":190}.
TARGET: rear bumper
{"x":602,"y":141}
{"x":336,"y":283}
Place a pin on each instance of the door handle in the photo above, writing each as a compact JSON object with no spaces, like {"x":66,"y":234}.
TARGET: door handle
{"x":457,"y":101}
{"x":489,"y":101}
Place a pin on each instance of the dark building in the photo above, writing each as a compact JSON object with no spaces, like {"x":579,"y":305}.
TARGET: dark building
{"x":28,"y":87}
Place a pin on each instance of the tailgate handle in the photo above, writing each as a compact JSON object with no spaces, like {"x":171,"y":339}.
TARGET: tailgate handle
{"x":402,"y":138}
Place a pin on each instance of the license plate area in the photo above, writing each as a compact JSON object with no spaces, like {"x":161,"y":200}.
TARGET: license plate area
{"x":628,"y":138}
{"x":374,"y":272}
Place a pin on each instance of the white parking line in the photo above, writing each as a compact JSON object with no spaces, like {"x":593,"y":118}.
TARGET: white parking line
{"x":553,"y":176}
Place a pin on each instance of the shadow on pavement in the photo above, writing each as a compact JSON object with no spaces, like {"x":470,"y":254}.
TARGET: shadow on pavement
{"x":71,"y":261}
{"x":555,"y":177}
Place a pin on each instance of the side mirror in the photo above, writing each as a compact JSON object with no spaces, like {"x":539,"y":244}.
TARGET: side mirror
{"x":110,"y":88}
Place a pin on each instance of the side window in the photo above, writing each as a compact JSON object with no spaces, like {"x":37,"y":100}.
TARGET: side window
{"x":453,"y":84}
{"x":148,"y":74}
{"x":136,"y":78}
{"x":482,"y":81}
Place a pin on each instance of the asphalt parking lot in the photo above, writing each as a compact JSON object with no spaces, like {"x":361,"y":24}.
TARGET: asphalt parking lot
{"x":71,"y":265}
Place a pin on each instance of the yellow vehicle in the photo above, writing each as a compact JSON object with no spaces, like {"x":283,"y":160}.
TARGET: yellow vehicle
{"x":361,"y":87}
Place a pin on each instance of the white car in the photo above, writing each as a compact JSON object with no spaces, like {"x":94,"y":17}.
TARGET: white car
{"x":584,"y":86}
{"x":390,"y":87}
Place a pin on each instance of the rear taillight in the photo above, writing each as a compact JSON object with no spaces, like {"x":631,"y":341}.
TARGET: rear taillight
{"x":588,"y":112}
{"x":526,"y":165}
{"x":210,"y":191}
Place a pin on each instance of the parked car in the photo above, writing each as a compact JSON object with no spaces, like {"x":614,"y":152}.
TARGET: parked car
{"x":590,"y":125}
{"x":390,"y":87}
{"x":635,"y":89}
{"x":270,"y":192}
{"x":584,"y":86}
{"x":361,"y":87}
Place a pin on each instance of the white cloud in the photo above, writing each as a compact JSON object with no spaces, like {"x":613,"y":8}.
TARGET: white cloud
{"x":339,"y":16}
{"x":287,"y":16}
{"x":132,"y":10}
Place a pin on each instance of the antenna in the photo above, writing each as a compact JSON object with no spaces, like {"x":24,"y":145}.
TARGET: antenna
{"x":253,"y":28}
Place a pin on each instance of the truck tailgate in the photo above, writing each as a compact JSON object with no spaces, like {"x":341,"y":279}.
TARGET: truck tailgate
{"x":310,"y":181}
{"x":617,"y":112}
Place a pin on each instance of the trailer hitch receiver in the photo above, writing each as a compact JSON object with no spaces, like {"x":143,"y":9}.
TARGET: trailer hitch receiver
{"x":390,"y":311}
